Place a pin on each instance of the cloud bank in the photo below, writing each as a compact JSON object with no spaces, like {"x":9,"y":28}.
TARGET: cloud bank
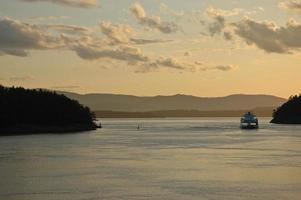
{"x":270,"y":37}
{"x":17,"y":37}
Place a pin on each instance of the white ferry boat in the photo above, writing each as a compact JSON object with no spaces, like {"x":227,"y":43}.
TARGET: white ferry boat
{"x":249,"y":121}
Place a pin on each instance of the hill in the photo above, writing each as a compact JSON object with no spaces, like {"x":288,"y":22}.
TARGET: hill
{"x":26,"y":111}
{"x":289,"y":112}
{"x":129,"y":103}
{"x":260,"y":112}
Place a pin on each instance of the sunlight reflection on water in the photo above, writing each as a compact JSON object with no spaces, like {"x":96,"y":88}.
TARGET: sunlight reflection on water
{"x":164,"y":159}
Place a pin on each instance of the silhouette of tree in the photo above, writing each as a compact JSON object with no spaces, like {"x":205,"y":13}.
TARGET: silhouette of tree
{"x":289,"y":112}
{"x":19,"y":106}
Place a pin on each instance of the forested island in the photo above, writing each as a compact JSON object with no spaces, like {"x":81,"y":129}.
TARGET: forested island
{"x":289,"y":112}
{"x":32,"y":111}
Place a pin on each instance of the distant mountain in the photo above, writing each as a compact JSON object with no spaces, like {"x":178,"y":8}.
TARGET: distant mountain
{"x":129,"y":103}
{"x":260,"y":112}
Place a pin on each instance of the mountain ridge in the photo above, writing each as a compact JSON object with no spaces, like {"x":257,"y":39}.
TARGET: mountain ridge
{"x":132,"y":103}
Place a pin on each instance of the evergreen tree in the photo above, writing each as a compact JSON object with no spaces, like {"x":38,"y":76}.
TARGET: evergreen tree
{"x":289,"y":112}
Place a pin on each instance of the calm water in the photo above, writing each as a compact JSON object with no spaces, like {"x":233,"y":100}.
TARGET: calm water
{"x":166,"y":159}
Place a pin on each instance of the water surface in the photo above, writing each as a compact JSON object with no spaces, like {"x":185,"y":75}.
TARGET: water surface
{"x":191,"y":159}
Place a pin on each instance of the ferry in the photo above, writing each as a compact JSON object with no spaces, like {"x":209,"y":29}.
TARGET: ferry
{"x":249,"y":121}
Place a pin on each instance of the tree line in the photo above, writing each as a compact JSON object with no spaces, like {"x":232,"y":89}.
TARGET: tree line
{"x":40,"y":107}
{"x":289,"y":112}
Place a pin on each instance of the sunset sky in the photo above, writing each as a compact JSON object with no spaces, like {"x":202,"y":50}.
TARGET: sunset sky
{"x":152,"y":47}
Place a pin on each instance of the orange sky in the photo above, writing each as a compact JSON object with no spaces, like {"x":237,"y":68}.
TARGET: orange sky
{"x":202,"y":48}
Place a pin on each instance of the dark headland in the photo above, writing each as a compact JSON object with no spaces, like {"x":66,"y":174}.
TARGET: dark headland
{"x":29,"y":111}
{"x":289,"y":112}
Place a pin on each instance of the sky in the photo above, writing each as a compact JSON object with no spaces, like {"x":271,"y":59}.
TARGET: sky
{"x":152,"y":47}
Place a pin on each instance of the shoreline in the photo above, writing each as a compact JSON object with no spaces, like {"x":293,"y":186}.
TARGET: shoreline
{"x":29,"y":129}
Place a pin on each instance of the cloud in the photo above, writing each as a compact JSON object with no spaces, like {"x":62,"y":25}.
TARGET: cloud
{"x":291,"y":5}
{"x":122,"y":34}
{"x":156,"y":64}
{"x":153,"y":22}
{"x":173,"y":63}
{"x":224,"y":67}
{"x":170,"y":63}
{"x":124,"y":53}
{"x":134,"y":56}
{"x":215,"y":12}
{"x":218,"y":26}
{"x":147,"y":41}
{"x":17,"y":37}
{"x":269,"y":37}
{"x":71,"y":3}
{"x":118,"y":33}
{"x":131,"y":55}
{"x":219,"y":17}
{"x":70,"y":29}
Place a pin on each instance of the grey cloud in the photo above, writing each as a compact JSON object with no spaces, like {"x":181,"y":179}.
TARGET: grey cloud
{"x":70,"y":29}
{"x":269,"y":37}
{"x":131,"y":55}
{"x":170,"y":62}
{"x":153,"y":22}
{"x":291,"y":5}
{"x":182,"y":66}
{"x":18,"y":37}
{"x":134,"y":56}
{"x":219,"y":17}
{"x":122,"y":34}
{"x":71,"y":3}
{"x":218,"y":26}
{"x":224,"y":67}
{"x":156,"y":64}
{"x":146,"y":41}
{"x":125,"y":53}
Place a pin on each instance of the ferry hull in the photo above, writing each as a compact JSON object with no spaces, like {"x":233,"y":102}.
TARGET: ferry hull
{"x":249,"y":127}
